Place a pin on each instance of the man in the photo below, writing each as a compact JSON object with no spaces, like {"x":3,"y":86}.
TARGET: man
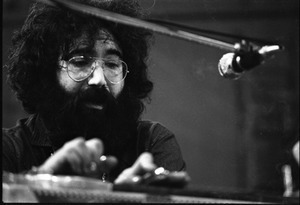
{"x":84,"y":81}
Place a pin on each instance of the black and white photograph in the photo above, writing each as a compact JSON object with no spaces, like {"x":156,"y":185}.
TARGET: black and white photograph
{"x":150,"y":101}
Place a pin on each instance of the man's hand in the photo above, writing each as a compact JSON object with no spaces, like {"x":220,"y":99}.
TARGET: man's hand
{"x":134,"y":173}
{"x":83,"y":158}
{"x":76,"y":157}
{"x":144,"y":171}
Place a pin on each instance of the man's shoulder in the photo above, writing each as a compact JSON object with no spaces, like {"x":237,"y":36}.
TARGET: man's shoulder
{"x":13,"y":140}
{"x":15,"y":133}
{"x":147,"y":123}
{"x":153,"y":129}
{"x":150,"y":124}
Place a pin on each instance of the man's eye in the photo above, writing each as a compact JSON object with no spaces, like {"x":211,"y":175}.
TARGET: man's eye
{"x":80,"y":62}
{"x":112,"y":64}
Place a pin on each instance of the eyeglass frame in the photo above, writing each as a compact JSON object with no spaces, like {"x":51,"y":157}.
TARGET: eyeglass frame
{"x":95,"y":59}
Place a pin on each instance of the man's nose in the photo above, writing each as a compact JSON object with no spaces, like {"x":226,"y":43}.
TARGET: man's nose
{"x":97,"y":77}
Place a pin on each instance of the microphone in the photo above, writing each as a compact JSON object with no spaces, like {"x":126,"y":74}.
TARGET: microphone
{"x":233,"y":65}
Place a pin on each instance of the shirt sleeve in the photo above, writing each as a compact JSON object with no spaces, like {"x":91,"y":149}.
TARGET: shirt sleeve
{"x":165,"y":149}
{"x":10,"y":154}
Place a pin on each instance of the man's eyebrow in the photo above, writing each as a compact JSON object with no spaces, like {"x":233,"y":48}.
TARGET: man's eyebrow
{"x":91,"y":52}
{"x":83,"y":50}
{"x":113,"y":51}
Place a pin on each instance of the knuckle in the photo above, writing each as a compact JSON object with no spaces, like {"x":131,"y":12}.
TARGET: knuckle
{"x":95,"y":143}
{"x":75,"y":145}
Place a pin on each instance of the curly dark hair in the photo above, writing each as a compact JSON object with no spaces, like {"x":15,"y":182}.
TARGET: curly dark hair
{"x":48,"y":31}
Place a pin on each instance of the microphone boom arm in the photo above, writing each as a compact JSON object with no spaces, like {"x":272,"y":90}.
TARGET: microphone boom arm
{"x":130,"y":21}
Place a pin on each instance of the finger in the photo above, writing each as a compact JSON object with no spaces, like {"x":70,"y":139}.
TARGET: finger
{"x":75,"y":162}
{"x":96,"y":149}
{"x":125,"y":176}
{"x":143,"y":164}
{"x":128,"y":180}
{"x":70,"y":154}
{"x":78,"y":146}
{"x":62,"y":162}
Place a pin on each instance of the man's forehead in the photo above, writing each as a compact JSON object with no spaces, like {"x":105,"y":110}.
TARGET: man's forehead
{"x":84,"y":42}
{"x":105,"y":35}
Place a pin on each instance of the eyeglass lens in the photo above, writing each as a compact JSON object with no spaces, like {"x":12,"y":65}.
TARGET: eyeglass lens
{"x":80,"y":68}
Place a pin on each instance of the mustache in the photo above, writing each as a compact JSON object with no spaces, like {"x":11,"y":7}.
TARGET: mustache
{"x":94,"y":95}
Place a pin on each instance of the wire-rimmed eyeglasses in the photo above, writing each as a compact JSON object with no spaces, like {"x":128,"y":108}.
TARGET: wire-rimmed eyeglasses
{"x":80,"y":68}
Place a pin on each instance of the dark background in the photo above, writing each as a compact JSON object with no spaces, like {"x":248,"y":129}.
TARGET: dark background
{"x":233,"y":134}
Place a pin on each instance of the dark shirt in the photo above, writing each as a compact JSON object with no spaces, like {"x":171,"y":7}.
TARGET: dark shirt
{"x":28,"y":144}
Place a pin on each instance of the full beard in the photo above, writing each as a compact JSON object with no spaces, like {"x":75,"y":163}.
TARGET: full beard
{"x":90,"y":113}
